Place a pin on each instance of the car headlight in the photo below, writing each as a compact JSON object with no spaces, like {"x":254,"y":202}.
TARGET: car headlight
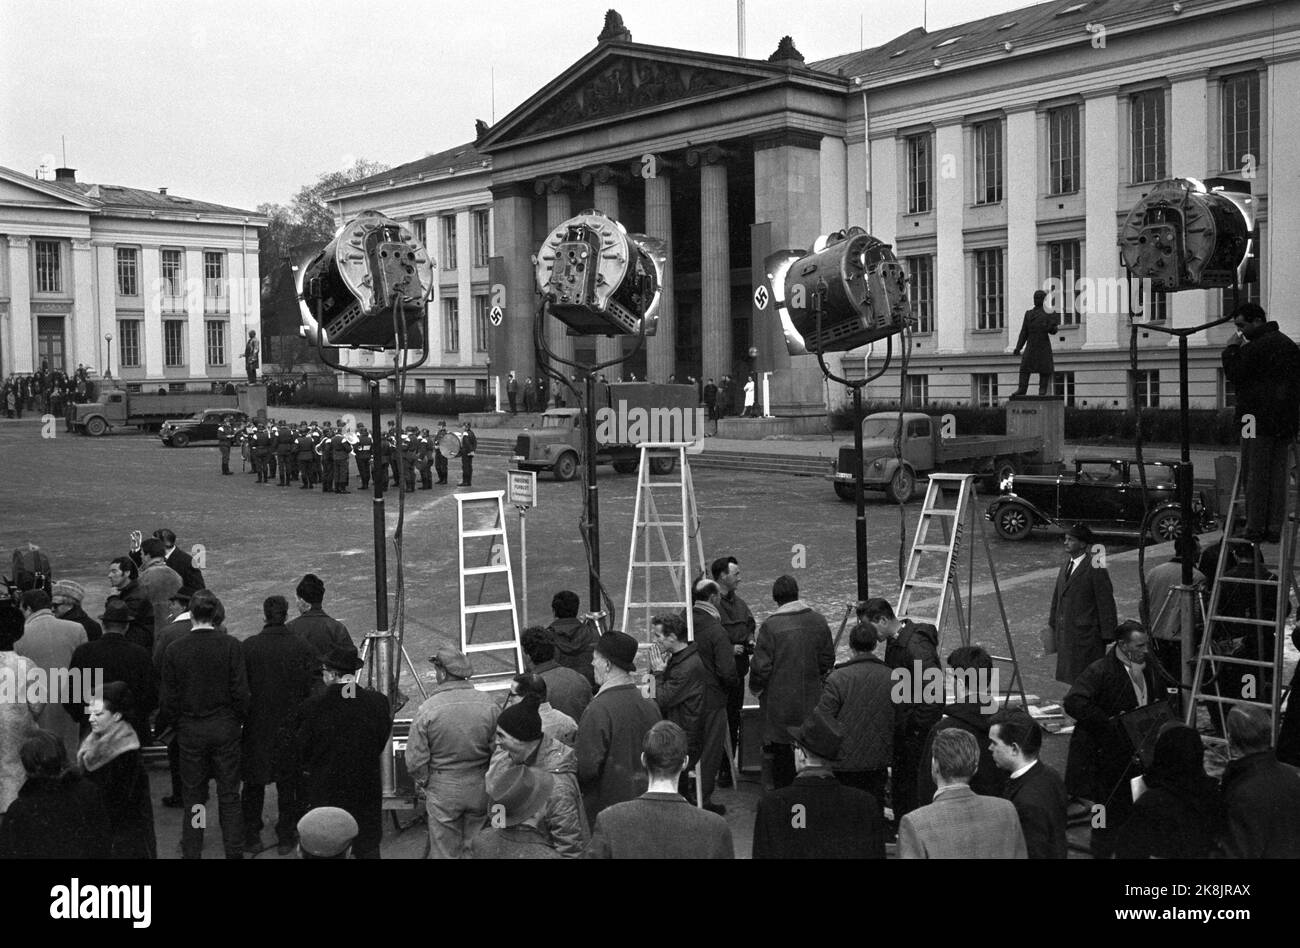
{"x":1006,"y":482}
{"x":880,"y":463}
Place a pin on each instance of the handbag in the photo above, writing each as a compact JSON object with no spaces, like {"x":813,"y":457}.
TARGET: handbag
{"x":1047,"y":635}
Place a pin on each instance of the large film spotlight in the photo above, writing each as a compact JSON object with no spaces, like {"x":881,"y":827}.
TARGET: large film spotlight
{"x":862,"y":285}
{"x":599,"y":279}
{"x":349,"y":290}
{"x":1186,"y":236}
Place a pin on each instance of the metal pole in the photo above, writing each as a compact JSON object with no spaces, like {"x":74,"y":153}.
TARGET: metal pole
{"x":382,"y":661}
{"x":523,"y":562}
{"x":859,"y":495}
{"x":592,"y":499}
{"x":1185,"y":543}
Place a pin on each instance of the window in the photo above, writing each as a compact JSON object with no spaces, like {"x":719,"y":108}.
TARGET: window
{"x":173,"y":279}
{"x":480,"y":388}
{"x":920,"y":284}
{"x":49,"y":341}
{"x":1247,"y":292}
{"x":49,"y":267}
{"x":1240,"y":107}
{"x":919,"y":166}
{"x":214,"y":282}
{"x":1063,"y":150}
{"x":1063,"y":387}
{"x":419,"y":232}
{"x":1147,"y":131}
{"x":1156,"y":308}
{"x":481,"y":326}
{"x":449,"y":388}
{"x":449,"y":242}
{"x":482,"y":242}
{"x":128,"y":271}
{"x":1065,"y":263}
{"x":1146,"y":388}
{"x":988,"y":162}
{"x":128,"y":343}
{"x":421,"y":387}
{"x":1228,"y":391}
{"x":918,"y":390}
{"x":173,"y":342}
{"x":451,"y":325}
{"x":216,"y":341}
{"x":990,"y":313}
{"x":986,"y":389}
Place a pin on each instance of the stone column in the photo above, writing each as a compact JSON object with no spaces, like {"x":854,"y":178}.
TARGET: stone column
{"x":1105,"y":331}
{"x":21,"y":346}
{"x":559,"y":208}
{"x":604,"y":182}
{"x":1022,"y":231}
{"x":512,"y":220}
{"x":661,"y":348}
{"x":196,"y":327}
{"x":1282,"y":282}
{"x":80,"y":338}
{"x":715,"y":260}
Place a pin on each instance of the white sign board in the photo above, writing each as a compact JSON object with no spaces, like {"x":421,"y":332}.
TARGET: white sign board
{"x":521,"y":488}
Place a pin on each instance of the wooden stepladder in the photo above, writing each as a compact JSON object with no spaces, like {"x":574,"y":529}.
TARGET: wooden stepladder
{"x":931,"y":589}
{"x":481,"y":538}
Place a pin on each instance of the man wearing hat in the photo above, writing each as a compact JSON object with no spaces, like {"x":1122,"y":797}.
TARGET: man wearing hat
{"x":1083,"y":617}
{"x":112,"y":658}
{"x":339,"y":742}
{"x":67,"y":598}
{"x":284,"y":438}
{"x":177,"y":626}
{"x":519,"y":795}
{"x":225,"y":435}
{"x":468,"y":445}
{"x":326,"y":833}
{"x":613,"y":728}
{"x":364,"y":451}
{"x":1036,"y":341}
{"x":817,"y":817}
{"x":440,"y":462}
{"x":320,"y":631}
{"x":447,"y":753}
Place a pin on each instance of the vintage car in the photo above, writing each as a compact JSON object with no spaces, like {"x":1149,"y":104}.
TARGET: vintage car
{"x":201,"y":426}
{"x":1104,"y":493}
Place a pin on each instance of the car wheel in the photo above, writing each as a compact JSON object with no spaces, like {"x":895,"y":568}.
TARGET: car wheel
{"x":1013,"y":521}
{"x":901,"y":486}
{"x":625,"y":467}
{"x":96,"y":427}
{"x":663,"y":465}
{"x":1165,"y":526}
{"x":180,"y":439}
{"x":844,"y":492}
{"x":1003,"y":468}
{"x":566,"y":466}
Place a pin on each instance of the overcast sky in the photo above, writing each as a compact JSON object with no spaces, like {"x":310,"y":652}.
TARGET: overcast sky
{"x":243,"y":101}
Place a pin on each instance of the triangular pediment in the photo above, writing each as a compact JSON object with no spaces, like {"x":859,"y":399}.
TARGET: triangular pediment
{"x":18,"y":188}
{"x":621,"y":80}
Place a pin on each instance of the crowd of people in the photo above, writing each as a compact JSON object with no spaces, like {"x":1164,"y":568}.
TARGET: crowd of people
{"x":45,"y":391}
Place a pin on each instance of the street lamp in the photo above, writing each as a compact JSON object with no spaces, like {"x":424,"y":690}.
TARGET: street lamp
{"x":108,"y":354}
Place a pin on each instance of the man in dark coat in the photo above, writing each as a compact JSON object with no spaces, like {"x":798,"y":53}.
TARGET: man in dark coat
{"x":1036,"y":341}
{"x":122,"y":576}
{"x":679,"y":680}
{"x":858,"y":695}
{"x":718,"y":660}
{"x":67,"y":598}
{"x":1101,"y":759}
{"x":575,"y":639}
{"x":281,"y":667}
{"x":122,"y":661}
{"x":739,"y":622}
{"x":566,"y":690}
{"x":792,"y":657}
{"x":1263,"y":365}
{"x":1083,"y":615}
{"x":173,"y":630}
{"x":338,"y":743}
{"x":912,"y":648}
{"x":1034,"y":788}
{"x":1262,"y":795}
{"x":613,"y":728}
{"x":817,"y":817}
{"x":313,"y":626}
{"x":971,"y":710}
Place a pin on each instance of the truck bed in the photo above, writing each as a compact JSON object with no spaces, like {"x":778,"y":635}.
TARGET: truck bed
{"x":980,"y":446}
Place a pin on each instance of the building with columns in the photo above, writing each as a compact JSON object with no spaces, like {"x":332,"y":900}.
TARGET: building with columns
{"x":152,"y":287}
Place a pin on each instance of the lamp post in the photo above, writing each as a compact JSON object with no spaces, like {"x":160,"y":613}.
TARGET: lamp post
{"x":108,"y":354}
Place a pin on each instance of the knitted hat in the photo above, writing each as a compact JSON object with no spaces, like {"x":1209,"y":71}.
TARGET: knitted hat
{"x":522,"y":721}
{"x":67,"y":589}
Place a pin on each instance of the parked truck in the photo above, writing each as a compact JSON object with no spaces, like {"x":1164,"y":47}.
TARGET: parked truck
{"x":924,"y":450}
{"x":118,"y":408}
{"x":627,"y":413}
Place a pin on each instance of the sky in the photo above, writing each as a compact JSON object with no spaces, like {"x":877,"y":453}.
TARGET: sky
{"x":241,"y":103}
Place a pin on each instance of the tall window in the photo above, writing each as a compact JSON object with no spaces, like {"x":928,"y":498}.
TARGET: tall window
{"x":1155,"y":308}
{"x":920,"y":272}
{"x":173,"y":278}
{"x":1240,"y":109}
{"x":918,"y":390}
{"x":449,"y":242}
{"x":481,"y":325}
{"x":214,"y":282}
{"x":49,"y":342}
{"x":481,"y":239}
{"x":128,"y":343}
{"x":986,"y":389}
{"x":1063,"y":386}
{"x":173,"y":342}
{"x":451,"y":325}
{"x":128,"y":271}
{"x":216,"y":341}
{"x":49,"y":267}
{"x":919,"y":169}
{"x":1146,"y":388}
{"x":988,"y":162}
{"x":1065,"y":263}
{"x":1248,"y":292}
{"x":419,"y":232}
{"x":449,"y":388}
{"x":1063,"y":150}
{"x":990,"y":312}
{"x":1147,"y":131}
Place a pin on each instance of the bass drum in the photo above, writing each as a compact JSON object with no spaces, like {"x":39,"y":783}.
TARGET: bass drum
{"x":449,"y":445}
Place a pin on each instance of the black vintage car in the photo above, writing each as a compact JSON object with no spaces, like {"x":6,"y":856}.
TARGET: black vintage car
{"x":1104,"y":493}
{"x":200,"y":426}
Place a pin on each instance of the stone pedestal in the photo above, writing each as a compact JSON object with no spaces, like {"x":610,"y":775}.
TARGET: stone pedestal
{"x":1040,"y":416}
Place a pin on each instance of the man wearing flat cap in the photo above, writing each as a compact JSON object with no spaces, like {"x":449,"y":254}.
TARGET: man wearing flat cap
{"x":339,"y":741}
{"x":448,"y":752}
{"x":1083,"y":616}
{"x":816,"y":816}
{"x":613,"y":728}
{"x":119,"y":660}
{"x":67,"y":597}
{"x":326,"y":832}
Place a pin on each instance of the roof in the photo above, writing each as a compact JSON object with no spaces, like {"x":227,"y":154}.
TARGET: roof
{"x":116,"y":197}
{"x":458,"y":158}
{"x":1032,"y":24}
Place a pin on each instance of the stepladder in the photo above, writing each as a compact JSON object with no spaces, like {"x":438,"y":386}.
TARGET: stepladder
{"x":930,"y":590}
{"x":489,"y":619}
{"x":1239,"y":660}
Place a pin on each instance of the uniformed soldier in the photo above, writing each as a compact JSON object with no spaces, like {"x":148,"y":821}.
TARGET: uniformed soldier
{"x":225,"y":435}
{"x":327,"y":459}
{"x":363,"y":450}
{"x":395,"y":457}
{"x":468,"y":444}
{"x":284,"y":451}
{"x":424,"y":459}
{"x":304,"y":446}
{"x":261,"y":451}
{"x":316,"y":435}
{"x":273,"y":433}
{"x":245,"y":441}
{"x":409,"y":450}
{"x":440,"y":462}
{"x":340,"y":452}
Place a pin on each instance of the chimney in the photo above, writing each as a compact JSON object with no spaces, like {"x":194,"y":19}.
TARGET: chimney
{"x":162,"y":190}
{"x":65,"y":175}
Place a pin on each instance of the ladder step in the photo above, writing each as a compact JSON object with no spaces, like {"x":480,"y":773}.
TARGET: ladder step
{"x":1232,"y":660}
{"x":930,"y":548}
{"x":489,"y":607}
{"x":494,"y":532}
{"x":655,"y":605}
{"x":484,"y":570}
{"x":935,"y":512}
{"x":925,"y":584}
{"x":653,"y":484}
{"x":648,"y":563}
{"x":1249,"y":582}
{"x":1268,"y":623}
{"x":491,"y":647}
{"x":1218,"y":700}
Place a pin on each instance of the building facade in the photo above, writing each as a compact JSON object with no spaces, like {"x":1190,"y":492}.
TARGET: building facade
{"x":149,"y":287}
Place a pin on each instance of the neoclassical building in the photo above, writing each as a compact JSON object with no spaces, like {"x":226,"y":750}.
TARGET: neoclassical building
{"x":150,"y":286}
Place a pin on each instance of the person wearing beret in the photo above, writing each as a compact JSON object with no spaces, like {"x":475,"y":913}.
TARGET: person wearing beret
{"x":1083,"y":617}
{"x":326,"y":832}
